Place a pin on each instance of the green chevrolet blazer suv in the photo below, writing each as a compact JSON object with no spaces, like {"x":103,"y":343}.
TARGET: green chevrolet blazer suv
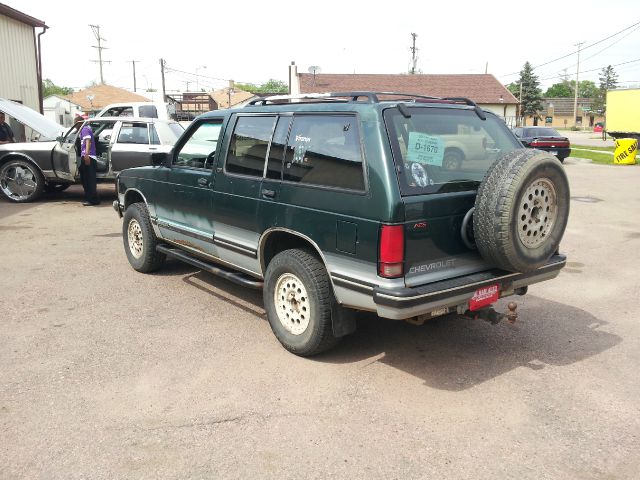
{"x":407,"y":206}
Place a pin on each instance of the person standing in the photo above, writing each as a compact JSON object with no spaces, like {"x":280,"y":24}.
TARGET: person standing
{"x":6,"y":134}
{"x":88,"y":166}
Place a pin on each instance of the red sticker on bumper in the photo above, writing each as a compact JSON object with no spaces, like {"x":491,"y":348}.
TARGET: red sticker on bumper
{"x":484,"y":296}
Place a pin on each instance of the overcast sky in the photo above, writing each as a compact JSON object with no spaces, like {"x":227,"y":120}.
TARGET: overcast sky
{"x":252,"y":41}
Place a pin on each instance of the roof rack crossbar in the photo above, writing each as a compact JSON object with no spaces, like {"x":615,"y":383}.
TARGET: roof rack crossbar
{"x":471,"y":103}
{"x":352,"y":96}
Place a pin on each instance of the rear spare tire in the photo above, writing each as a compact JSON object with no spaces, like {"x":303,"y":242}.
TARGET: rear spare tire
{"x":521,"y":210}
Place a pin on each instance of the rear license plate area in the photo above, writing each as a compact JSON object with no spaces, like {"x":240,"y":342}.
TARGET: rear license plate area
{"x":484,"y":296}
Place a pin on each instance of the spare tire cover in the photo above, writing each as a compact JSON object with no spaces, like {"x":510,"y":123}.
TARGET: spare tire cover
{"x":521,"y":210}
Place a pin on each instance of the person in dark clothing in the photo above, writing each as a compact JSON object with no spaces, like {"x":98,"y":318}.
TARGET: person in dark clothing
{"x":6,"y":134}
{"x":88,"y":166}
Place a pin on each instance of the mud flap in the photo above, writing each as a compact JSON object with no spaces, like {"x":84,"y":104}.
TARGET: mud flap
{"x":343,"y":320}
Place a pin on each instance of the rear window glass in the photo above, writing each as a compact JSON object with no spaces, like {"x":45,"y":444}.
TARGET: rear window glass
{"x":541,"y":132}
{"x":445,"y":149}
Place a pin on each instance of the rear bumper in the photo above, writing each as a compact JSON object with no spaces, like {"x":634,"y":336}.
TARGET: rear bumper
{"x":405,"y":303}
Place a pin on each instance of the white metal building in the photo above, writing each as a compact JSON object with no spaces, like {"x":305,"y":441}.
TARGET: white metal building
{"x":20,"y":63}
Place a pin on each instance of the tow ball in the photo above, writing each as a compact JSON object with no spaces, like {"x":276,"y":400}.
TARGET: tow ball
{"x":489,"y":314}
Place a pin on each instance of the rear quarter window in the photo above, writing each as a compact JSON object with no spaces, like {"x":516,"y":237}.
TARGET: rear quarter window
{"x":325,"y":150}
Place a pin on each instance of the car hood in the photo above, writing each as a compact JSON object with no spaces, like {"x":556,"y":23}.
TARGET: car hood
{"x":48,"y":129}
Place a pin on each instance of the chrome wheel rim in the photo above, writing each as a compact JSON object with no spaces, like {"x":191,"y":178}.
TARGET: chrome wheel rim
{"x":537,"y":212}
{"x":134,"y":234}
{"x":18,"y":182}
{"x":292,"y":303}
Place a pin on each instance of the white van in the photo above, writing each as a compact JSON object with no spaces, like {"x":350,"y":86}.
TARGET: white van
{"x":137,"y":109}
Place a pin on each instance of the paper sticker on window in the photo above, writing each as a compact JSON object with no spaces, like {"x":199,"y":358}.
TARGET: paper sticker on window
{"x":425,"y":148}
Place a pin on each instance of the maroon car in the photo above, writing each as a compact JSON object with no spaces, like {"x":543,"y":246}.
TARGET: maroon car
{"x":544,"y":138}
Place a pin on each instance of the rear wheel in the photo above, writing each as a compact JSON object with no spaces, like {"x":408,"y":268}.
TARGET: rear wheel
{"x":140,"y":240}
{"x":298,"y":297}
{"x":521,"y":210}
{"x":21,"y":181}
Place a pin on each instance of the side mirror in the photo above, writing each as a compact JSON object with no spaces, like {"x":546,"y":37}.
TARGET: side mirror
{"x":107,"y":138}
{"x":59,"y":138}
{"x":161,"y":159}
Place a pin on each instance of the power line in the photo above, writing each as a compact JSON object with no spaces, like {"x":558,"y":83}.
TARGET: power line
{"x":593,"y":69}
{"x":573,"y":53}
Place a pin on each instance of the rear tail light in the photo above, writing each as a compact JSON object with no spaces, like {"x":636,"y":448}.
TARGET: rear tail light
{"x":391,"y":253}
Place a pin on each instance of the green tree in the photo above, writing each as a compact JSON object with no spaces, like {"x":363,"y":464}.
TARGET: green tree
{"x":588,"y":89}
{"x":49,"y":88}
{"x":608,"y":81}
{"x":514,"y":88}
{"x":270,"y":86}
{"x":563,"y":89}
{"x":531,"y":101}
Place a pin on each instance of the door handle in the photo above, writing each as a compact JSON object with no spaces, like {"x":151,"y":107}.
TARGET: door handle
{"x":268,"y":193}
{"x":203,"y":182}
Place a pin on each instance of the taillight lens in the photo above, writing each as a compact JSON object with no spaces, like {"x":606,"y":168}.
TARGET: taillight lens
{"x":391,"y":253}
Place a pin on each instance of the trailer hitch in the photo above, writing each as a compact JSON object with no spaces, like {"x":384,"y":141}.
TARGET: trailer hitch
{"x":489,"y":314}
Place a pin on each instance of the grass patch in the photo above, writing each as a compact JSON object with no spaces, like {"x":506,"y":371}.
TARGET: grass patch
{"x":589,"y":147}
{"x":596,"y":157}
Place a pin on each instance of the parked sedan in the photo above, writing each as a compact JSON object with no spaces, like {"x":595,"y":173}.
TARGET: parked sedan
{"x":51,"y":164}
{"x":544,"y":138}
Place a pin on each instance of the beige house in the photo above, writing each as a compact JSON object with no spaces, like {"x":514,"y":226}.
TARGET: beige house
{"x":93,"y":99}
{"x":558,"y":113}
{"x":231,"y":98}
{"x":484,"y":89}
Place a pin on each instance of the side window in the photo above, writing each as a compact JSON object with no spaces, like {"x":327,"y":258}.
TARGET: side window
{"x":278,"y":148}
{"x":325,"y":150}
{"x":249,"y":145}
{"x":134,"y":133}
{"x":200,"y":148}
{"x":149,"y":111}
{"x":155,"y":140}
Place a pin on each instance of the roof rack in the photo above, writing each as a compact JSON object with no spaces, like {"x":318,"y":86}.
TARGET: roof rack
{"x":352,"y":97}
{"x":356,"y":96}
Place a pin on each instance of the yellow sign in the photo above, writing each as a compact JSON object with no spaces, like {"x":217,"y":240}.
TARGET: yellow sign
{"x":625,"y":153}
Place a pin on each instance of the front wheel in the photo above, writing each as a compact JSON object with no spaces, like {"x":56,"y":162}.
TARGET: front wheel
{"x":21,"y":181}
{"x":140,"y":240}
{"x":298,"y":297}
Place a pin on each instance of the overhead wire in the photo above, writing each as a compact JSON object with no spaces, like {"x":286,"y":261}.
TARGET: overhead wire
{"x":583,"y":49}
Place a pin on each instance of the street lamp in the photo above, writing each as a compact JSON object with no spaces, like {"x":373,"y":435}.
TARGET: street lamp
{"x":197,"y":78}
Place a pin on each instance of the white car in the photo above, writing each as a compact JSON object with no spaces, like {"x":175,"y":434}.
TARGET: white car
{"x":51,"y":164}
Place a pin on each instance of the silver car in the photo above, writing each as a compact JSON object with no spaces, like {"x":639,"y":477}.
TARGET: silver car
{"x":51,"y":163}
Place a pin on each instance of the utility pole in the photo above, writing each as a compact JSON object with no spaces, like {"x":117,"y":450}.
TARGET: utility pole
{"x":133,"y":62}
{"x":164,"y":92}
{"x":575,"y":97}
{"x":414,"y":59}
{"x":96,"y":33}
{"x":521,"y":115}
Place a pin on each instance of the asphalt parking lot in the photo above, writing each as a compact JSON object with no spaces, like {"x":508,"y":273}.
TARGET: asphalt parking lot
{"x":107,"y":373}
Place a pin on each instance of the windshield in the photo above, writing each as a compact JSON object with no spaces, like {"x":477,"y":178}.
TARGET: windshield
{"x":445,"y":149}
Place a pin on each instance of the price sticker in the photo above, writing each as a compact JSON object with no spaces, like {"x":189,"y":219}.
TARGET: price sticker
{"x":427,"y":149}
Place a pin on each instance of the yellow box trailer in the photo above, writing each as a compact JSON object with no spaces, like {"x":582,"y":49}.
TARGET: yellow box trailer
{"x":623,"y":113}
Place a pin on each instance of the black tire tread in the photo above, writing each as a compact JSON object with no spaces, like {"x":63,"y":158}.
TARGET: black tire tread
{"x":493,"y":217}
